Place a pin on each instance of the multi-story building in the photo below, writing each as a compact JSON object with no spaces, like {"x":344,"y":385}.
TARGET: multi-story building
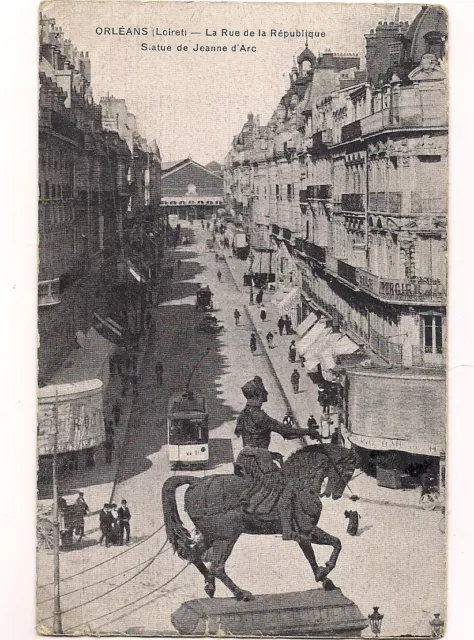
{"x":85,"y":171}
{"x":347,"y":191}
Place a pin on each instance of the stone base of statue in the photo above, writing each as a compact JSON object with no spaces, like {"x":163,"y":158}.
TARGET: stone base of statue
{"x":299,"y":613}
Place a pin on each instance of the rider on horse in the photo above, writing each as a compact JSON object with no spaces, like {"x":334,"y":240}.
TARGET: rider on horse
{"x":268,"y":491}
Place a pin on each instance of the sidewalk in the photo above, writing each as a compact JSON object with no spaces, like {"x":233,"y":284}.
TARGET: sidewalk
{"x":305,"y":402}
{"x":99,"y":482}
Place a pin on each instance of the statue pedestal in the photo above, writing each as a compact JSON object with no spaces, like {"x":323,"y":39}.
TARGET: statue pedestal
{"x":299,"y":613}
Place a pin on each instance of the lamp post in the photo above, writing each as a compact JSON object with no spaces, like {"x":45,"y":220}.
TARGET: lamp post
{"x":375,"y":619}
{"x":437,"y":626}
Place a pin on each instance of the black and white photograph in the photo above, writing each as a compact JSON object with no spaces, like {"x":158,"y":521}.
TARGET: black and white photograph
{"x":242,"y":335}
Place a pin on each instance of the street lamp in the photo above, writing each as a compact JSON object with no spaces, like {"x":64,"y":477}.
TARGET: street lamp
{"x":375,"y":619}
{"x":437,"y":626}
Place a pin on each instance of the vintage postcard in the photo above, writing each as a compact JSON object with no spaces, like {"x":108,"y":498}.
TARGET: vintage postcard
{"x":242,"y":319}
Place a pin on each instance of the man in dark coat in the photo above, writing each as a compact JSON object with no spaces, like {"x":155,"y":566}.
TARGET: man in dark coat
{"x":124,"y":517}
{"x":106,"y":521}
{"x":259,"y":297}
{"x":295,"y":380}
{"x":281,"y":325}
{"x":255,"y":428}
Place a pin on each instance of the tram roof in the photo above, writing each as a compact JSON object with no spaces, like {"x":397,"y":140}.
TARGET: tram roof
{"x":187,"y":403}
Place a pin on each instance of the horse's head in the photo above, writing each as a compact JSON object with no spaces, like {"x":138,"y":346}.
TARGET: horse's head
{"x":340,"y":465}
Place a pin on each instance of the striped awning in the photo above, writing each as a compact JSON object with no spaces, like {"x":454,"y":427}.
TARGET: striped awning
{"x":307,"y":324}
{"x":313,"y":334}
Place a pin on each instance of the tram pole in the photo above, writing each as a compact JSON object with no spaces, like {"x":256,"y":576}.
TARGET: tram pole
{"x":57,"y":620}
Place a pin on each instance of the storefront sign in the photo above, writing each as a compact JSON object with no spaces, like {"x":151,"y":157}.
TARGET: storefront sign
{"x":421,"y":289}
{"x":75,"y":412}
{"x":392,"y":444}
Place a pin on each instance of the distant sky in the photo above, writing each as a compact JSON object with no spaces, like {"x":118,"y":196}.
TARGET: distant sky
{"x":194,"y":103}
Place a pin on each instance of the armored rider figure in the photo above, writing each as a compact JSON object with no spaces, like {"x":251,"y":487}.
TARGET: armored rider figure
{"x":268,"y":491}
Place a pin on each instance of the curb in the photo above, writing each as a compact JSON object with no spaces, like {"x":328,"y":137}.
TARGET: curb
{"x":141,"y":357}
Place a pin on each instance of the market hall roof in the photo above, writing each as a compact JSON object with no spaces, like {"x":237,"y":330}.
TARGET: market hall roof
{"x":187,"y":177}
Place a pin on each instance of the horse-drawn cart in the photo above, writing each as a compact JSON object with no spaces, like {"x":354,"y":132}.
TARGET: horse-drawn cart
{"x":71,"y":526}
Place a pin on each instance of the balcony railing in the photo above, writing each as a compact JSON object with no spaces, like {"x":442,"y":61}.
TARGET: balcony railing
{"x":286,"y":234}
{"x":416,"y":115}
{"x":353,"y":202}
{"x":319,"y":192}
{"x":48,"y":293}
{"x":275,"y":229}
{"x":318,"y":145}
{"x":346,"y":271}
{"x":428,"y":203}
{"x":351,"y":131}
{"x":303,"y":195}
{"x":384,"y":202}
{"x":414,"y":290}
{"x":315,"y":252}
{"x":389,"y":350}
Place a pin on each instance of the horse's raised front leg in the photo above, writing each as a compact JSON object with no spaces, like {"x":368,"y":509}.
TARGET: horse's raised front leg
{"x":221,"y":550}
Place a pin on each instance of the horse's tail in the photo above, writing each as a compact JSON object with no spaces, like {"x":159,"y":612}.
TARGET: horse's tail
{"x":176,"y":532}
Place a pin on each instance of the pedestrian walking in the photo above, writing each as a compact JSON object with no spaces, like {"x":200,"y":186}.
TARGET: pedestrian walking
{"x":148,"y":318}
{"x":115,"y":531}
{"x":109,"y":445}
{"x":288,"y":420}
{"x":259,"y":297}
{"x":106,"y":523}
{"x":116,"y":412}
{"x":263,"y":313}
{"x":85,"y":510}
{"x":292,"y":351}
{"x":324,"y":399}
{"x":178,"y":265}
{"x":270,"y":340}
{"x":281,"y":325}
{"x":288,"y":325}
{"x":295,"y":381}
{"x":159,"y":374}
{"x":237,"y":316}
{"x":253,"y":343}
{"x":312,"y":424}
{"x":219,"y":275}
{"x":124,"y":517}
{"x":251,"y":295}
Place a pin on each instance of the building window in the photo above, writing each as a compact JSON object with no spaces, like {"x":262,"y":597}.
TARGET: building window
{"x":289,"y":191}
{"x":433,"y":334}
{"x":46,"y":189}
{"x":277,"y":191}
{"x":53,"y":190}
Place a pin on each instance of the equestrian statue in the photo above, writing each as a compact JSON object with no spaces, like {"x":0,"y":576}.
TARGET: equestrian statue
{"x":265,"y":496}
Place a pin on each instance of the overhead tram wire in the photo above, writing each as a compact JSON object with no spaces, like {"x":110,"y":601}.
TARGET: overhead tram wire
{"x":124,"y":606}
{"x":74,"y":575}
{"x":115,"y":575}
{"x":102,"y":595}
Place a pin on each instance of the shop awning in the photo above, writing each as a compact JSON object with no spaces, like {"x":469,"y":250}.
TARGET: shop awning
{"x":89,"y":361}
{"x":324,"y":351}
{"x":290,"y":300}
{"x":397,"y":411}
{"x":313,"y":334}
{"x":345,"y":346}
{"x":306,"y":324}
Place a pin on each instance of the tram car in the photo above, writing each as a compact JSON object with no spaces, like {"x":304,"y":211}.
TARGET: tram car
{"x":188,"y":430}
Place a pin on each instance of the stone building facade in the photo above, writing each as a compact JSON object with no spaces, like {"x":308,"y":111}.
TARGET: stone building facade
{"x":85,"y":195}
{"x":346,"y":189}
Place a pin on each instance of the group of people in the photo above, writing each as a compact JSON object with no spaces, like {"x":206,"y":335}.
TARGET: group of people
{"x":315,"y":429}
{"x":286,"y":324}
{"x":115,"y":524}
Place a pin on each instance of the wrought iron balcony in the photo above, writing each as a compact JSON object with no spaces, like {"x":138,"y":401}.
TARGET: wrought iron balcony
{"x":315,"y":252}
{"x":383,"y":202}
{"x":353,"y":202}
{"x":351,"y":131}
{"x":347,"y":272}
{"x":303,"y":195}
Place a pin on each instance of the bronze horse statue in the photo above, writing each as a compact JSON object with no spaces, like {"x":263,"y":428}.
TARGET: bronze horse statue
{"x":215,"y":507}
